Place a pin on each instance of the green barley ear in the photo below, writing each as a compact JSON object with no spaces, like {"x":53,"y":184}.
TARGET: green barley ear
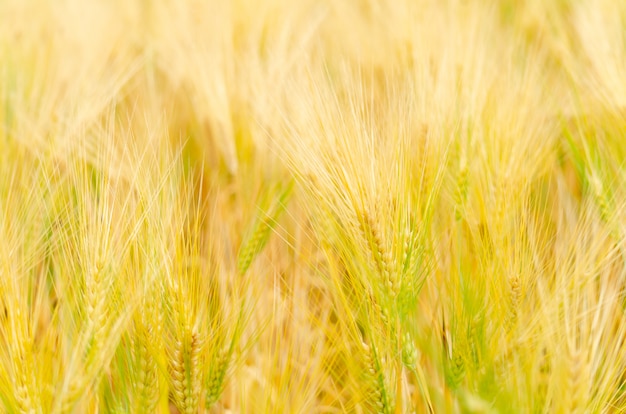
{"x":453,"y":361}
{"x":454,"y":366}
{"x":221,"y":360}
{"x":602,"y":197}
{"x":415,"y":270}
{"x":272,"y":206}
{"x":216,"y":377}
{"x":381,"y":397}
{"x":409,"y":351}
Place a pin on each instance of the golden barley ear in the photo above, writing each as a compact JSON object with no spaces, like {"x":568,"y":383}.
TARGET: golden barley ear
{"x":186,"y":365}
{"x":381,"y":254}
{"x":148,"y":353}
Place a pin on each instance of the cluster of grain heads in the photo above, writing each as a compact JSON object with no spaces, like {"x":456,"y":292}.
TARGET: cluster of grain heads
{"x":147,"y":151}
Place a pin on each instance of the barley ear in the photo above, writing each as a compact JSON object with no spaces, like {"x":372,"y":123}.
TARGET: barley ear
{"x":453,"y":361}
{"x":388,"y":275}
{"x":147,"y":348}
{"x":515,"y":295}
{"x":215,"y":379}
{"x":460,"y":194}
{"x":262,"y":227}
{"x":381,"y":398}
{"x":185,"y":372}
{"x":578,"y":381}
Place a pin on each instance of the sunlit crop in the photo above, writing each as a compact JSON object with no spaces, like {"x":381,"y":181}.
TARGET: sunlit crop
{"x":312,"y":206}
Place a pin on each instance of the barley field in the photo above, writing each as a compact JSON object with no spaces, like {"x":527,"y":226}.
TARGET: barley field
{"x":312,"y":206}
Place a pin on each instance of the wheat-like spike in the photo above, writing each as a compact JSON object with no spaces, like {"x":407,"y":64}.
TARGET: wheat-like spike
{"x":381,"y":255}
{"x":261,"y":231}
{"x":70,"y":397}
{"x":425,"y":161}
{"x":544,"y":372}
{"x":604,"y":204}
{"x":409,"y":351}
{"x":407,"y":250}
{"x":20,"y":346}
{"x":147,"y":378}
{"x":147,"y":387}
{"x":216,"y":377}
{"x":253,"y":245}
{"x":374,"y":370}
{"x":412,"y":277}
{"x":515,"y":295}
{"x":578,"y":381}
{"x":474,"y":339}
{"x":455,"y":370}
{"x":323,"y":216}
{"x":22,"y":397}
{"x":454,"y":363}
{"x":148,"y":338}
{"x":96,"y":307}
{"x":412,"y":253}
{"x":26,"y":393}
{"x":381,"y":311}
{"x":501,"y":204}
{"x":177,"y":373}
{"x":460,"y":194}
{"x":186,"y":372}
